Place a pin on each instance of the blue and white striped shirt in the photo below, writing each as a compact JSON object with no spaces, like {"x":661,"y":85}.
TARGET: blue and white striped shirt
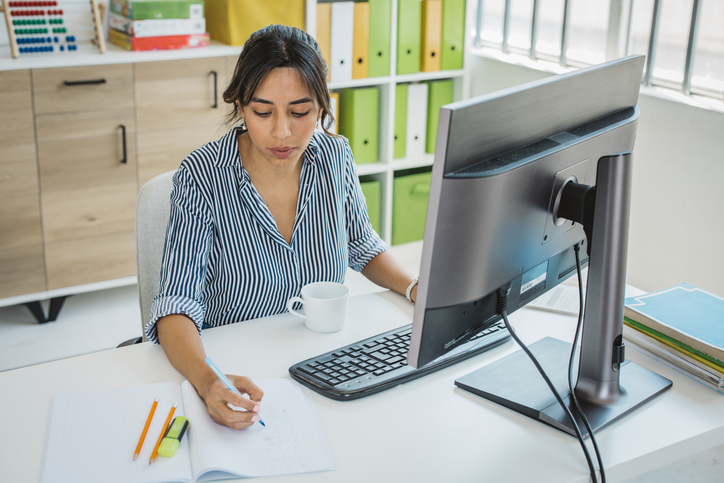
{"x":224,"y":259}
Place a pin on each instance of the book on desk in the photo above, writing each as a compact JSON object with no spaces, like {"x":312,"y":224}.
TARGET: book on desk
{"x":683,"y":327}
{"x":91,"y":436}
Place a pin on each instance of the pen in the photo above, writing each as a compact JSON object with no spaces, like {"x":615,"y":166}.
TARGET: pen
{"x":225,"y":380}
{"x":163,"y":433}
{"x":145,"y":429}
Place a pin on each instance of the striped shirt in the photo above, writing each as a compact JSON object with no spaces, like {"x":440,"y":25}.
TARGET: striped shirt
{"x":224,"y":259}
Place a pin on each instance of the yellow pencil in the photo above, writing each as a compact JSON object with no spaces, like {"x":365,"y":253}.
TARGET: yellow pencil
{"x":163,"y":433}
{"x":145,"y":429}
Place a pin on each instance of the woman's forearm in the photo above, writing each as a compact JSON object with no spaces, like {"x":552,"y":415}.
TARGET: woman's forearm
{"x":181,"y":341}
{"x":386,"y":271}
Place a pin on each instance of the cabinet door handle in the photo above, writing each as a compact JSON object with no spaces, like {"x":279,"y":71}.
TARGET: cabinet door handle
{"x":123,"y":141}
{"x":84,"y":82}
{"x":216,"y":89}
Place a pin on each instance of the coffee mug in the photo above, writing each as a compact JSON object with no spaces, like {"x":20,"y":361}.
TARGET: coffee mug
{"x":325,"y":306}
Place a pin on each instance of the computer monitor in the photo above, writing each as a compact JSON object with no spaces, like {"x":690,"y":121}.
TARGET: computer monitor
{"x":520,"y":177}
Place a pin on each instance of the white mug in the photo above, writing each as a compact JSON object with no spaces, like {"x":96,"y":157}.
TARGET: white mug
{"x":325,"y":306}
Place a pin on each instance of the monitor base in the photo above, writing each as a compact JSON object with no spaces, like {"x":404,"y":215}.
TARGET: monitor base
{"x":515,"y":383}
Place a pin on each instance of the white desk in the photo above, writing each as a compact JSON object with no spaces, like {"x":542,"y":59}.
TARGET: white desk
{"x":426,"y":430}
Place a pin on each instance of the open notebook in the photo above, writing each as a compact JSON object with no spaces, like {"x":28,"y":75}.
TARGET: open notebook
{"x":92,"y":436}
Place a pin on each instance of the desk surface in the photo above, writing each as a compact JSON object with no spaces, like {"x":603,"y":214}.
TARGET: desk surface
{"x":426,"y":430}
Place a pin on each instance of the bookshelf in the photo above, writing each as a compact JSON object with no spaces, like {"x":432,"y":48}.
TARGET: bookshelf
{"x":387,"y":166}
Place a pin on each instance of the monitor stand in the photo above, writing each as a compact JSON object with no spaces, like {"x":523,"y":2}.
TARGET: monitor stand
{"x":515,"y":383}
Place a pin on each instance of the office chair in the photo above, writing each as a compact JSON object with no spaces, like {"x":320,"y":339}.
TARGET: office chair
{"x":152,"y":211}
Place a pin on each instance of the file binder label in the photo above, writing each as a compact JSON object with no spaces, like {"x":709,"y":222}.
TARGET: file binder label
{"x":342,"y":40}
{"x":361,"y":44}
{"x":431,"y":35}
{"x":453,"y":34}
{"x":416,"y":120}
{"x":408,"y":37}
{"x":380,"y":35}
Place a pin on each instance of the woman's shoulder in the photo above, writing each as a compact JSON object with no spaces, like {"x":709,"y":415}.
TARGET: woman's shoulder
{"x":332,"y":150}
{"x":205,"y":160}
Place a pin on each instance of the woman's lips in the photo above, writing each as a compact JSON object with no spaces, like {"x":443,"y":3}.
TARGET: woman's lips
{"x":282,"y":153}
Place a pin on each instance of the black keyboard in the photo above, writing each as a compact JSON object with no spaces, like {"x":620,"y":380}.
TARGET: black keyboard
{"x":380,"y":362}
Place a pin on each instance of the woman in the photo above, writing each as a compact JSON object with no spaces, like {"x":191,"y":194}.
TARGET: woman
{"x":270,"y":207}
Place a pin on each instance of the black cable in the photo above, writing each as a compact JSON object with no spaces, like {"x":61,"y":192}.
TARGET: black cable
{"x":503,"y":308}
{"x":576,"y":249}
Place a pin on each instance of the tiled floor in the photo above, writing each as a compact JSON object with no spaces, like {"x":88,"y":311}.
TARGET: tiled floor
{"x":101,"y":320}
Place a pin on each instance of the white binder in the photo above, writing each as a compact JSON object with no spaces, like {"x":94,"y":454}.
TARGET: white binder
{"x":342,"y":39}
{"x":416,"y":120}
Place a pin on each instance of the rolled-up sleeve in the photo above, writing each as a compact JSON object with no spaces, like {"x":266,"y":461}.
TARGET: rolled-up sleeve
{"x":363,"y":242}
{"x":185,"y":256}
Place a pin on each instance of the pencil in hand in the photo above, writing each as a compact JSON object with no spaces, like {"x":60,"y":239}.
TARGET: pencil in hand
{"x":145,"y":429}
{"x":163,"y":433}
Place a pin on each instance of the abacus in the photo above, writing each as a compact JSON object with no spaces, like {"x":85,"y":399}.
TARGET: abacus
{"x":52,"y":26}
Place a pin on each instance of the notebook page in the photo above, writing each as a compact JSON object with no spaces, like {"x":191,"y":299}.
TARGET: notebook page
{"x":92,"y":436}
{"x":293,"y":440}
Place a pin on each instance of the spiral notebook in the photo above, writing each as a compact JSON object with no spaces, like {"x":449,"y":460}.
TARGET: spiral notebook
{"x":92,"y":435}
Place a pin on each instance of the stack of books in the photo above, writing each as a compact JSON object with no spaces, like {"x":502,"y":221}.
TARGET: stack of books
{"x":682,"y":327}
{"x":157,"y":24}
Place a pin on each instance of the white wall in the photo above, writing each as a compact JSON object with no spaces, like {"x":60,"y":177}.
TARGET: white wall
{"x":677,"y":210}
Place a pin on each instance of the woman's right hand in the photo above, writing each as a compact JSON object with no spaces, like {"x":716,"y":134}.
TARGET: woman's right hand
{"x":218,"y":397}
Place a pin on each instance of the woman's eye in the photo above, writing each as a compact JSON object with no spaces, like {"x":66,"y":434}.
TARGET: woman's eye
{"x":262,"y":114}
{"x":301,"y":114}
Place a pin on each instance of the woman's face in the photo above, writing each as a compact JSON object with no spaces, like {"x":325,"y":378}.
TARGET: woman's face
{"x":281,"y":117}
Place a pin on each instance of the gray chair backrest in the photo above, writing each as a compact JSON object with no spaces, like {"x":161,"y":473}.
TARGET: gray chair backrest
{"x":152,"y":211}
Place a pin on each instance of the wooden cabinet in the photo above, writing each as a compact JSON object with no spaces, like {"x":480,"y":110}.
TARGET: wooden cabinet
{"x":21,"y":242}
{"x":179,"y":108}
{"x":87,"y":168}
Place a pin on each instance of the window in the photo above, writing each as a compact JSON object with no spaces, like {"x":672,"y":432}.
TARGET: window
{"x":682,"y":39}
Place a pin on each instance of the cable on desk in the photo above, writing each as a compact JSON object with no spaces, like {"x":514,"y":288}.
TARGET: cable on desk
{"x":576,"y":249}
{"x":503,"y":309}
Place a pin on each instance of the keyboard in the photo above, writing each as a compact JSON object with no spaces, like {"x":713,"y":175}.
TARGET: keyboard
{"x":380,"y":362}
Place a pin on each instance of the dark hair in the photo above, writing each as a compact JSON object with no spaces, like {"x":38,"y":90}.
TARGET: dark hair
{"x":279,"y":46}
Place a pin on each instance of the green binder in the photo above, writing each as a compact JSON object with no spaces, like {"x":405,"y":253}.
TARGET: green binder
{"x":453,"y":34}
{"x":400,"y":121}
{"x":409,"y":17}
{"x":372,"y":190}
{"x":359,"y":122}
{"x":439,"y":93}
{"x":409,"y":207}
{"x":380,"y":37}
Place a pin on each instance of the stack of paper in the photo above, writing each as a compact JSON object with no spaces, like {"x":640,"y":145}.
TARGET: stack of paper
{"x":92,"y":436}
{"x":683,"y":327}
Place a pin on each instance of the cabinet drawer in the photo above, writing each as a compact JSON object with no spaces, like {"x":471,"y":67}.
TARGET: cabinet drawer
{"x":92,"y":259}
{"x":85,"y":149}
{"x":162,"y":151}
{"x":16,"y":114}
{"x":52,"y":93}
{"x":179,"y":94}
{"x":89,"y":212}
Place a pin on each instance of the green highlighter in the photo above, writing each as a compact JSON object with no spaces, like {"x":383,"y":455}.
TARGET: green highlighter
{"x":172,"y":438}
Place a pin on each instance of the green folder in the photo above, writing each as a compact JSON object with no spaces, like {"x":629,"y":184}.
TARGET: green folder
{"x":400,"y":121}
{"x":439,"y":93}
{"x":380,"y":36}
{"x":409,"y":207}
{"x":359,"y":122}
{"x":453,"y":34}
{"x":372,"y":190}
{"x":409,"y":31}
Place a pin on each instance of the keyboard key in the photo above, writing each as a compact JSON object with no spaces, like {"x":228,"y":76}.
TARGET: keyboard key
{"x":380,"y":356}
{"x":373,"y":348}
{"x":307,"y":370}
{"x":395,"y":360}
{"x":333,"y":382}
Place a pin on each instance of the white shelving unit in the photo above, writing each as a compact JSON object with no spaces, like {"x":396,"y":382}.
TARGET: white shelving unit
{"x":384,"y":170}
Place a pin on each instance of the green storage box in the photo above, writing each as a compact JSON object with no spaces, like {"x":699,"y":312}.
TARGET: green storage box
{"x":359,"y":114}
{"x":409,"y":207}
{"x":372,"y":190}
